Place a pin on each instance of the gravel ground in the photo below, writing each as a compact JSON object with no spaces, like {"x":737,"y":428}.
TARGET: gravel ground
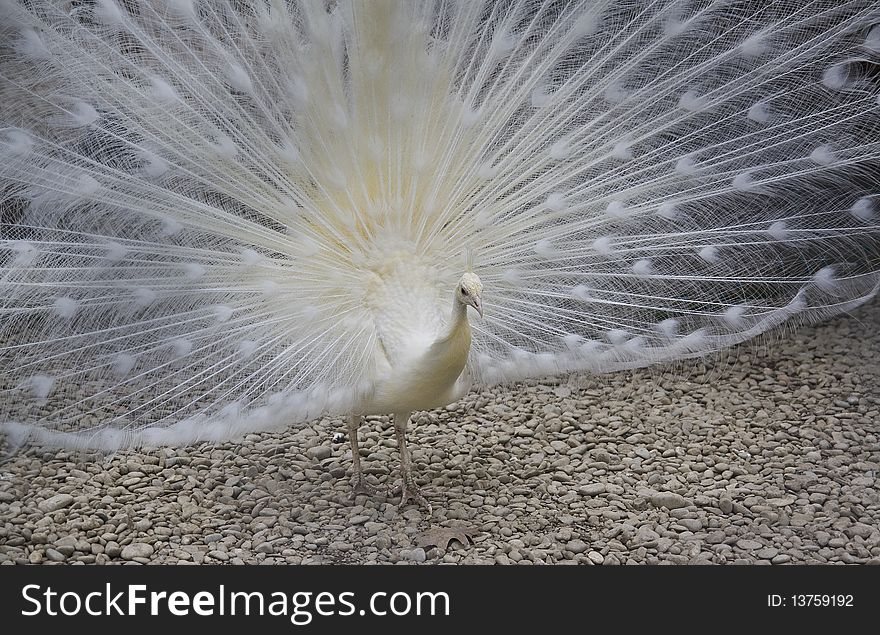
{"x":767,"y":455}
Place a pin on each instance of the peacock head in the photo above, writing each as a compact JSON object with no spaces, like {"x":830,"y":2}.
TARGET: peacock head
{"x":470,"y":292}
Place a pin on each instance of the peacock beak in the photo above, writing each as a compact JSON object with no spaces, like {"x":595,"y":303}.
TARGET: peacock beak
{"x":478,"y":305}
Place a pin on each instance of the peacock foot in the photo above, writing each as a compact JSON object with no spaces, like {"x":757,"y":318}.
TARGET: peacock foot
{"x":408,"y":491}
{"x":360,"y":487}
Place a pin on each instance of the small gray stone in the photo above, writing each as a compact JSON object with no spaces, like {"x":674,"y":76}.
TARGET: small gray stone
{"x":319,"y":452}
{"x":781,"y":501}
{"x":691,"y":524}
{"x":593,"y":489}
{"x":645,"y":535}
{"x":54,"y":503}
{"x":725,"y":505}
{"x":143,"y":525}
{"x":67,"y":550}
{"x":416,"y":555}
{"x":112,"y":549}
{"x":596,"y":557}
{"x":670,"y":500}
{"x":859,"y":529}
{"x":55,"y":556}
{"x":137,"y":550}
{"x":576,"y":546}
{"x":748,"y":545}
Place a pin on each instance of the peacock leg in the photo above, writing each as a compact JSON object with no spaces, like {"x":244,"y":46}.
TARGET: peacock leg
{"x":359,"y":486}
{"x":408,"y":489}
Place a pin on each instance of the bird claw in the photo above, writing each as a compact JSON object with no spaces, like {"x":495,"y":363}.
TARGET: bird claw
{"x":410,"y":492}
{"x":361,"y":487}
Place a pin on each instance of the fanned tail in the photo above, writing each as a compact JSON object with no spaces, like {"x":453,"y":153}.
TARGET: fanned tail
{"x":197,"y":197}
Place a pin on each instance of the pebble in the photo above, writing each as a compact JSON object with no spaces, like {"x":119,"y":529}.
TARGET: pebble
{"x":860,"y":529}
{"x":54,"y":555}
{"x":320,"y":452}
{"x":646,"y":535}
{"x":670,"y":500}
{"x":137,"y":550}
{"x":374,"y":528}
{"x":691,"y":524}
{"x":593,"y":489}
{"x":416,"y":555}
{"x":576,"y":546}
{"x":54,"y":503}
{"x":749,"y":545}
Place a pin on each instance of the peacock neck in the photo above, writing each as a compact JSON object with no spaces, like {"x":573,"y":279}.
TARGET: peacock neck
{"x":459,"y":321}
{"x":449,"y":353}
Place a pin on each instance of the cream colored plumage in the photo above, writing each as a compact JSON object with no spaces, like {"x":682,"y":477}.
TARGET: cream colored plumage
{"x":421,"y":357}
